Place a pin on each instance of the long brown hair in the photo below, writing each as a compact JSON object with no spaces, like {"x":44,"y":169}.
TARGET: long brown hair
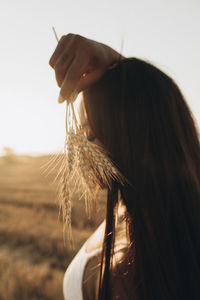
{"x":141,"y":117}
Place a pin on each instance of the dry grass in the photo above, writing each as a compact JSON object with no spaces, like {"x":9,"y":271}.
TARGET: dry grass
{"x":33,"y":257}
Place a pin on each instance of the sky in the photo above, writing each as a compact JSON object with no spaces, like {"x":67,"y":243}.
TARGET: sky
{"x":165,"y":32}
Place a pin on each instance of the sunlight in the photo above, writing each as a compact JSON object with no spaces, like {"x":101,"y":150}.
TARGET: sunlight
{"x":77,"y":103}
{"x":73,"y":114}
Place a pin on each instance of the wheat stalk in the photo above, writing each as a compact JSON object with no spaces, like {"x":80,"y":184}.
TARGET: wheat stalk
{"x":84,"y":164}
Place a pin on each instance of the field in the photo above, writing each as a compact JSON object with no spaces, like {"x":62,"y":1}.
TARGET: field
{"x":33,"y":257}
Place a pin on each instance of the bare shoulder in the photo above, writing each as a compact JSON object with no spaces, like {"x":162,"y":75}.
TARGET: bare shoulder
{"x":91,"y":277}
{"x":96,"y":240}
{"x":120,"y":277}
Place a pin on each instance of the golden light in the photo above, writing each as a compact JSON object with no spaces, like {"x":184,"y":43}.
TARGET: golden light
{"x":77,"y":106}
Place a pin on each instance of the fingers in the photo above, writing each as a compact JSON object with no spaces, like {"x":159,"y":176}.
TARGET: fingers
{"x":90,"y":78}
{"x":71,"y":88}
{"x":63,"y":43}
{"x":64,"y":56}
{"x":74,"y":75}
{"x":74,"y":57}
{"x":63,"y":59}
{"x":60,"y":69}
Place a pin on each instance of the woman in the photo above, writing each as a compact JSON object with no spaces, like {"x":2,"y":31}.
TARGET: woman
{"x":140,"y":117}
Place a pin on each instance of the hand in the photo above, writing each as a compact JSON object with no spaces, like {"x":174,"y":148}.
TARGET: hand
{"x":78,"y":62}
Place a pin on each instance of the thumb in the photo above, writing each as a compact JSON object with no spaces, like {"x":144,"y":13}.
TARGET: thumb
{"x":88,"y":79}
{"x":74,"y":87}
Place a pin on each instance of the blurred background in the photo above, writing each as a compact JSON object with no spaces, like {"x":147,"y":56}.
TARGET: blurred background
{"x":33,"y":257}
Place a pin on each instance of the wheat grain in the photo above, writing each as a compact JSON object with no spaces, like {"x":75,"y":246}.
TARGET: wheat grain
{"x":84,"y":166}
